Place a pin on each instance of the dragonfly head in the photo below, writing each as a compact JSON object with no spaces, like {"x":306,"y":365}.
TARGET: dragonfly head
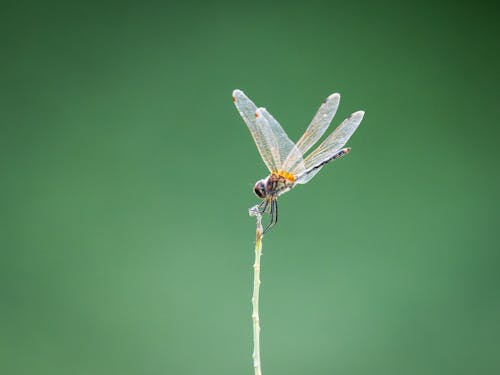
{"x":260,"y":189}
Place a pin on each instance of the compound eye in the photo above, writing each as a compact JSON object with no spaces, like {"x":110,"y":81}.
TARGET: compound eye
{"x":259,"y":189}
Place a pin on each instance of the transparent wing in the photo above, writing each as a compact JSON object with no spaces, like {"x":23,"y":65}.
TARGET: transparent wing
{"x":334,"y":142}
{"x":262,"y":134}
{"x":319,"y":123}
{"x":288,"y":157}
{"x":306,"y":177}
{"x":270,"y":141}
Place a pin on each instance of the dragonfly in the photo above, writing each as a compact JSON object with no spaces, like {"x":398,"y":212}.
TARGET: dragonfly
{"x":290,"y":163}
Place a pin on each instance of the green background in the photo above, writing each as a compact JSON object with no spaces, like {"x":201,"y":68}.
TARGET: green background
{"x":126,"y":175}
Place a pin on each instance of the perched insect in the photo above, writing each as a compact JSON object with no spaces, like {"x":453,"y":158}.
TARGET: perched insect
{"x":285,"y":159}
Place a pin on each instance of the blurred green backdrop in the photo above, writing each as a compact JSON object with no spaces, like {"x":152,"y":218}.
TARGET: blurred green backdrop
{"x":126,"y":175}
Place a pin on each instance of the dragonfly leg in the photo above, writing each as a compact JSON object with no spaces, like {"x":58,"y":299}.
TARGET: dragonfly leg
{"x":274,"y":215}
{"x":263,"y":206}
{"x":276,"y":212}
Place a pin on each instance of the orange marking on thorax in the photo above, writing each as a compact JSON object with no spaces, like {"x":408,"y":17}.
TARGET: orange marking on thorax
{"x":287,"y":176}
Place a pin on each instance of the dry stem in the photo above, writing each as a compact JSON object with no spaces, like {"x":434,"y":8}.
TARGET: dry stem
{"x":254,"y":211}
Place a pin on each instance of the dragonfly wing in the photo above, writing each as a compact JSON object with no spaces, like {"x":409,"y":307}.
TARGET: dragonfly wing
{"x":334,"y":142}
{"x":262,"y":135}
{"x":319,"y":123}
{"x":306,"y":177}
{"x":290,"y":158}
{"x":270,"y":141}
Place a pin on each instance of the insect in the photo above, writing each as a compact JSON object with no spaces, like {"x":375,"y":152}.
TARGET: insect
{"x":286,"y":161}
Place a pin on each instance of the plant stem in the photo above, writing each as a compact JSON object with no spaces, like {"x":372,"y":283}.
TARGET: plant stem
{"x":254,"y":211}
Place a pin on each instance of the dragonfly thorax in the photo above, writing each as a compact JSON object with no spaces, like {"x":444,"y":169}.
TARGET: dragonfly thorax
{"x":273,"y":185}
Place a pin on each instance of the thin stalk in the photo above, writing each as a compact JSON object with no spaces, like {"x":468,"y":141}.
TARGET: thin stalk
{"x":254,"y":211}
